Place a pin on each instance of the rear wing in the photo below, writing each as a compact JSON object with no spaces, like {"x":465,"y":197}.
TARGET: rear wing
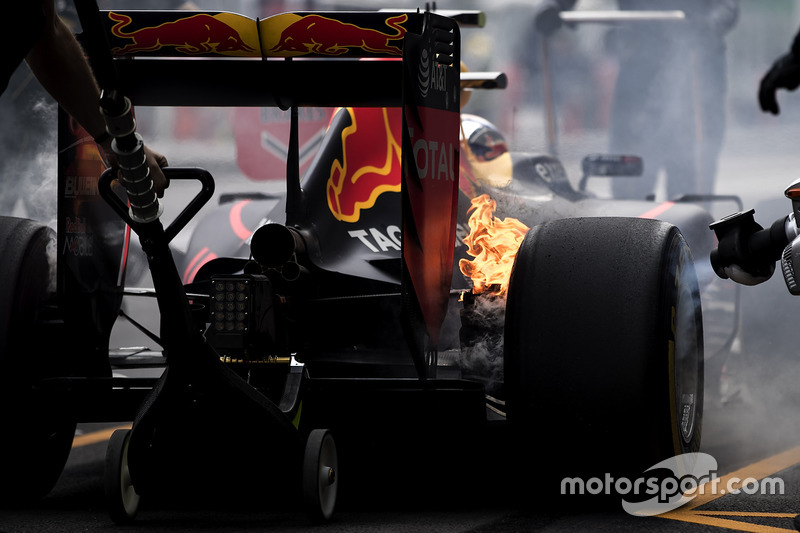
{"x":250,"y":67}
{"x":319,"y":59}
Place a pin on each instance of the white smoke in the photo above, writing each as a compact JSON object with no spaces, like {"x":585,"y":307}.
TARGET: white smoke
{"x":28,"y":150}
{"x":483,"y":353}
{"x":39,"y":175}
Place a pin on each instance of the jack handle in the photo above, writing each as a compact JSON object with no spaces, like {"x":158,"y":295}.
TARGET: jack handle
{"x":128,"y":146}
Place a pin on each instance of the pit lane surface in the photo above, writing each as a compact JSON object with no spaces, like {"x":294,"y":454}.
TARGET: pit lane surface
{"x":77,"y":502}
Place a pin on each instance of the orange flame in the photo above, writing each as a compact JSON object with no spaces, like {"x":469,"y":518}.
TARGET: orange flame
{"x":494,"y":244}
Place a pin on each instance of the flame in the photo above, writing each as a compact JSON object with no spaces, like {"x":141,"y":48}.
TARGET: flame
{"x":494,"y":244}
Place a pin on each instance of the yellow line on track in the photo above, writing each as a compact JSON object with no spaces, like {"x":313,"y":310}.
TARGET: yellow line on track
{"x":758,"y":470}
{"x":96,"y":436}
{"x":746,"y":513}
{"x":705,"y":520}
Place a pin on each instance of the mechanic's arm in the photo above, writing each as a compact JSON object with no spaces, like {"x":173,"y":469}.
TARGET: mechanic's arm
{"x":784,"y":74}
{"x":58,"y":63}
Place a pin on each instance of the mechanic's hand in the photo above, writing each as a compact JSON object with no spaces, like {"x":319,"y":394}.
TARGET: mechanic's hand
{"x":155,"y":162}
{"x":784,"y":74}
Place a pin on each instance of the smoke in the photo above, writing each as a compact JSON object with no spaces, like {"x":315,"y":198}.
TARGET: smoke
{"x":51,"y":252}
{"x":28,"y":150}
{"x":482,"y":322}
{"x":41,"y":185}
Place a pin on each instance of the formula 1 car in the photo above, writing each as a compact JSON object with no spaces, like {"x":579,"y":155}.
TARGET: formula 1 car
{"x":343,"y":306}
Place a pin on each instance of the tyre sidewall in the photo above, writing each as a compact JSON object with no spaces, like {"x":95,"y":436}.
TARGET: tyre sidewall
{"x":40,"y":435}
{"x":589,"y":340}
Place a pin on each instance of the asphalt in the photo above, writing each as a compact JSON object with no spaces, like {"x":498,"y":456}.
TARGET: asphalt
{"x":753,"y":437}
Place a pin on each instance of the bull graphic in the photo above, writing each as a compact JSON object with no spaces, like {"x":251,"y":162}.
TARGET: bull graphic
{"x":197,"y":34}
{"x":370,"y":163}
{"x":315,"y":34}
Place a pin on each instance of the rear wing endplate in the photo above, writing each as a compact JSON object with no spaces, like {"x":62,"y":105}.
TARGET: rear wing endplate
{"x":430,"y":173}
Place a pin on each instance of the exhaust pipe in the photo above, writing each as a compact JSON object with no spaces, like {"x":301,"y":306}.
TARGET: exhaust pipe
{"x":275,"y":247}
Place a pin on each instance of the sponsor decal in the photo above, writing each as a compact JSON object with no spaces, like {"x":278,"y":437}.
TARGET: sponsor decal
{"x":376,"y":240}
{"x":370,"y":163}
{"x":80,"y":186}
{"x":78,"y":241}
{"x":316,"y":34}
{"x":201,"y":33}
{"x":431,"y":75}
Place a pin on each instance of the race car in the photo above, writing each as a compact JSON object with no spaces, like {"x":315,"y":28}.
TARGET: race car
{"x":345,"y":305}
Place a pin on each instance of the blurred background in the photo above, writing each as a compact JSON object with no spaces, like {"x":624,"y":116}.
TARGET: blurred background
{"x":583,"y":66}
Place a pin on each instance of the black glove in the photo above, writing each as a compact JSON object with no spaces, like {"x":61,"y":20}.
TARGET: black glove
{"x":784,"y":74}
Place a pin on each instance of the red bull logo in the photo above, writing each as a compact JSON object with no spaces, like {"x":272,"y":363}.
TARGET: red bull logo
{"x":201,"y":33}
{"x":370,"y":163}
{"x":315,"y":34}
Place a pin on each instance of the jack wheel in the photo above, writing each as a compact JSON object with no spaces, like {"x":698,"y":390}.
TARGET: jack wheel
{"x":121,"y":497}
{"x":320,"y":476}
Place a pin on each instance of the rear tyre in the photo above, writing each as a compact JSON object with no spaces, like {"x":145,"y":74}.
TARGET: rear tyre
{"x":604,"y":346}
{"x":39,"y":433}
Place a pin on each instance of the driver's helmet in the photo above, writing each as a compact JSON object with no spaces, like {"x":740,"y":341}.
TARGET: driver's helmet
{"x":488,"y":161}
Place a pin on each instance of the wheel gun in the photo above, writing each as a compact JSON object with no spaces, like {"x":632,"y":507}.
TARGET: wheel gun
{"x":747,"y":253}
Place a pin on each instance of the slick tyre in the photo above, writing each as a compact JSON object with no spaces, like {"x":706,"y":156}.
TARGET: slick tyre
{"x":39,"y":438}
{"x":604,"y":346}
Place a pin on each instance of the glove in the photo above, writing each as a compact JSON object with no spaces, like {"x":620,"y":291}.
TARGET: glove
{"x":784,"y":74}
{"x":743,"y":277}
